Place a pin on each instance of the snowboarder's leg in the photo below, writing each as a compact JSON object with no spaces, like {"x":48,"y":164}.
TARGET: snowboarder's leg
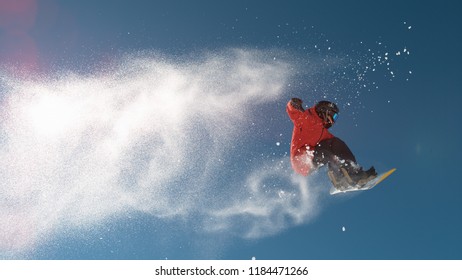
{"x":340,"y":149}
{"x":342,"y":164}
{"x":335,"y":154}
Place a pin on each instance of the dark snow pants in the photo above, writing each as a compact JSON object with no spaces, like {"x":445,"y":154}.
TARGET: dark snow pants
{"x":335,"y":154}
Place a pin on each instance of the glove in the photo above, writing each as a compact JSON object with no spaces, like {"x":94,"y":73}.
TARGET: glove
{"x":297,"y":104}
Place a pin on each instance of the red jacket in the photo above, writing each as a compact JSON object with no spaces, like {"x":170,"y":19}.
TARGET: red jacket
{"x":308,"y":132}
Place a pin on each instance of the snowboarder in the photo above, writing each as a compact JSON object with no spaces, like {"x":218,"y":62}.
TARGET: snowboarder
{"x":313,"y":145}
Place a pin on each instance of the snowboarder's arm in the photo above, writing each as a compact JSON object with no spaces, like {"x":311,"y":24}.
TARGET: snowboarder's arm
{"x":294,"y":108}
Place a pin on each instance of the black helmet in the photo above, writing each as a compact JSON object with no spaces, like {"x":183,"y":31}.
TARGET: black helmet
{"x":327,"y":111}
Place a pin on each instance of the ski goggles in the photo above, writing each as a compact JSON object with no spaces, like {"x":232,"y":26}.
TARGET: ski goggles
{"x":335,"y":117}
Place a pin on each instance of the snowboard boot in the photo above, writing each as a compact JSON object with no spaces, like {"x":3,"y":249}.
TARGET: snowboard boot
{"x":361,"y":177}
{"x":340,"y":182}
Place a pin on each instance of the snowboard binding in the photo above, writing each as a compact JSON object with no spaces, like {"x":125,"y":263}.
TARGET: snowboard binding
{"x":343,"y":180}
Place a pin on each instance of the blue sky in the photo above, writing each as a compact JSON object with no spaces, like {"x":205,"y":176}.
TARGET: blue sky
{"x":157,"y":129}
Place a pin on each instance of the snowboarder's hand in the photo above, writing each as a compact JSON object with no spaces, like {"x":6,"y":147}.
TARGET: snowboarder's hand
{"x":297,"y":104}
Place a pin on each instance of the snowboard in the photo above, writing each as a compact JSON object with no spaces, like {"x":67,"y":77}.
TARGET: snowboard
{"x":369,"y":185}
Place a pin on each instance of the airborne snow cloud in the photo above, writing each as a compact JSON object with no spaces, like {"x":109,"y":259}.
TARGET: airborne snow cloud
{"x":143,"y":137}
